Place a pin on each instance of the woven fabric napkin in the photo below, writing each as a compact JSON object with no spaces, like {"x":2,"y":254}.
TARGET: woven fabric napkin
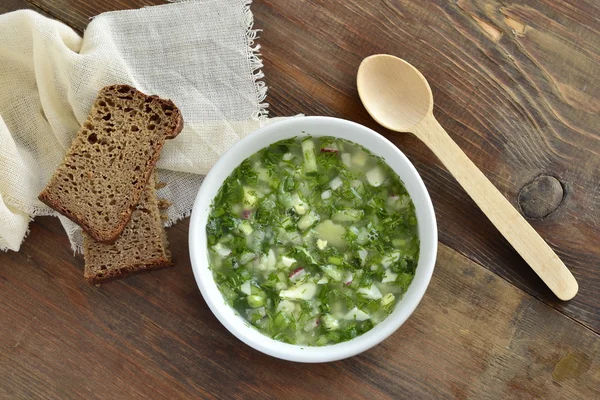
{"x":199,"y":53}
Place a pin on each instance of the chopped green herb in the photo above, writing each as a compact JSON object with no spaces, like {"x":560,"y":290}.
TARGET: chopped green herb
{"x":313,"y":241}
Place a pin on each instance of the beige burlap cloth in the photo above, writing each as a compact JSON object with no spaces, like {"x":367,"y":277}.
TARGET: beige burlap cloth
{"x":201,"y":54}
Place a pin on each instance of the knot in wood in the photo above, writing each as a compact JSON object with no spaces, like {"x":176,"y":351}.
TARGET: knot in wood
{"x":541,"y":197}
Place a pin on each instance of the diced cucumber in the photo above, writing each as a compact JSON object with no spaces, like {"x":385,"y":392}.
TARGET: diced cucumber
{"x":285,"y":306}
{"x":305,"y":189}
{"x":336,"y":183}
{"x":244,"y":273}
{"x":389,"y":259}
{"x":286,"y":222}
{"x":330,"y":323}
{"x":221,"y":250}
{"x":271,"y":259}
{"x":255,"y":301}
{"x":389,"y":276}
{"x":387,"y":300}
{"x":358,"y":186}
{"x":332,"y":233}
{"x":250,"y":197}
{"x":348,"y":215}
{"x":255,"y":314}
{"x":245,"y":288}
{"x":281,"y":282}
{"x":322,"y":341}
{"x":228,"y":293}
{"x":348,"y":278}
{"x":269,"y":203}
{"x":305,"y":291}
{"x":255,"y":289}
{"x":288,"y":261}
{"x":282,"y":320}
{"x":263,"y":174}
{"x":333,"y":272}
{"x":372,"y":292}
{"x":310,"y":160}
{"x":285,"y":199}
{"x":311,"y":325}
{"x":399,"y":243}
{"x":347,"y":159}
{"x":246,"y":228}
{"x":295,"y":238}
{"x":267,"y":261}
{"x":335,"y":260}
{"x":321,"y":244}
{"x":299,"y":205}
{"x":357,"y":315}
{"x":362,"y":235}
{"x":246,"y":257}
{"x":362,"y":254}
{"x":307,"y":221}
{"x":359,"y":158}
{"x":375,"y":176}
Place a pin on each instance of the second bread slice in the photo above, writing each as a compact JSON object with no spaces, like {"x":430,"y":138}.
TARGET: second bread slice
{"x":142,"y":246}
{"x":101,"y":178}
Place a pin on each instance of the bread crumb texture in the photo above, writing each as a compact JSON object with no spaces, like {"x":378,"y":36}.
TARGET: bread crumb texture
{"x":101,"y":178}
{"x":142,"y":246}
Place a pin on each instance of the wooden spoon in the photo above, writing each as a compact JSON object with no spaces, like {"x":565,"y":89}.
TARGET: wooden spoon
{"x":398,"y":97}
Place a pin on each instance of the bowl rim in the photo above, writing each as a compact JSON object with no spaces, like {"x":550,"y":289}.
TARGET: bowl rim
{"x":236,"y":324}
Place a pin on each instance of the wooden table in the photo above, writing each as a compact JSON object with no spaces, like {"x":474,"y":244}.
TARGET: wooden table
{"x":516,"y":85}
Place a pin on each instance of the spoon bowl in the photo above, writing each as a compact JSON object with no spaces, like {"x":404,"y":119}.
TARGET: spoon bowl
{"x":398,"y":97}
{"x":394,"y":92}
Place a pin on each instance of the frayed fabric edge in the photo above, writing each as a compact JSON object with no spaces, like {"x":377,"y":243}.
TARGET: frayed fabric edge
{"x":177,"y":218}
{"x":255,"y":63}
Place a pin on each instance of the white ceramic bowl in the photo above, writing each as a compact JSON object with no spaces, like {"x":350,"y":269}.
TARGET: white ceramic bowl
{"x":314,"y":126}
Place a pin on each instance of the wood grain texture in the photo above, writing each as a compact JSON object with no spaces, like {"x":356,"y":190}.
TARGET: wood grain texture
{"x":513,"y":84}
{"x":505,"y":217}
{"x":510,"y":95}
{"x":152,"y":336}
{"x":14,"y":5}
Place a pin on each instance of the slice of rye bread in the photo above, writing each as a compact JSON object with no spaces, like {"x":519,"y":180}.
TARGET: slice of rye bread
{"x":142,"y":246}
{"x":101,"y":178}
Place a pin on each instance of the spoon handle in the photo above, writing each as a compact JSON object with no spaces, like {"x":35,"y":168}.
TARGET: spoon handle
{"x":519,"y":233}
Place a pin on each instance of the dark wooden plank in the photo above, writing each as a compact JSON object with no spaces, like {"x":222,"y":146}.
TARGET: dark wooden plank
{"x":152,"y":336}
{"x":513,"y":84}
{"x":14,"y":5}
{"x":519,"y":107}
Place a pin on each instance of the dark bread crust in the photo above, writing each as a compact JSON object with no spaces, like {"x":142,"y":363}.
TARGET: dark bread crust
{"x":127,"y":271}
{"x":53,"y":196}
